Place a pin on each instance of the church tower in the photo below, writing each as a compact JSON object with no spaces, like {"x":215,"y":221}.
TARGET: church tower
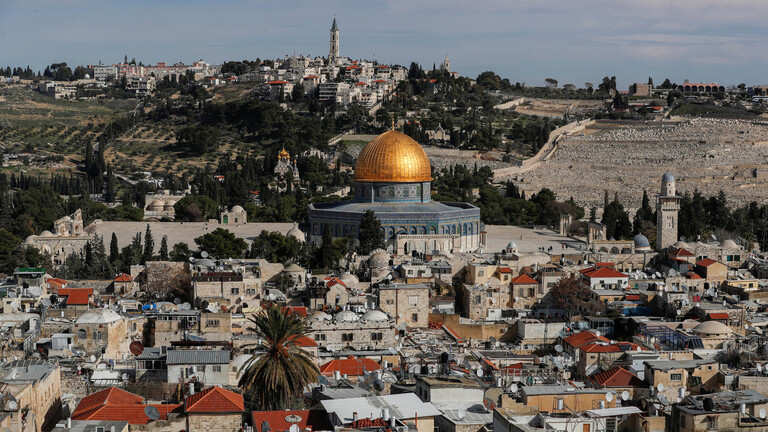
{"x":333,"y":53}
{"x":446,"y":66}
{"x":667,"y":207}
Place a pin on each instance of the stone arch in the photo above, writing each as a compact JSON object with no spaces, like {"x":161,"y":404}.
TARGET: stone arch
{"x":453,"y":229}
{"x":603,"y":249}
{"x":614,"y":250}
{"x":626,"y":250}
{"x":414,"y":230}
{"x":391,"y":232}
{"x":422,"y":230}
{"x":709,"y":89}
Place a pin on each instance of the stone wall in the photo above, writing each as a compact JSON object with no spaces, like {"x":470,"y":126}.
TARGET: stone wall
{"x":214,"y":422}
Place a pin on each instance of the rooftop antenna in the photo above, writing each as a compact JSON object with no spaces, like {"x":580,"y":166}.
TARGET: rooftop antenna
{"x":152,"y":412}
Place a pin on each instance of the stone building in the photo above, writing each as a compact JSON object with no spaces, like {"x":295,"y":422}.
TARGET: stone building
{"x":667,"y":208}
{"x":205,"y":366}
{"x":393,"y":179}
{"x":68,"y":237}
{"x":105,"y":332}
{"x":160,"y":206}
{"x":374,"y":330}
{"x":333,"y":52}
{"x":407,"y":303}
{"x":235,"y":215}
{"x":214,"y":409}
{"x":36,"y":386}
{"x":227,"y":288}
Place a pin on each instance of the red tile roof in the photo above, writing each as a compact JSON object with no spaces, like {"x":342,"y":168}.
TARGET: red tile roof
{"x":361,"y":83}
{"x":76,"y":296}
{"x":505,"y":270}
{"x":617,"y":377}
{"x":305,"y":341}
{"x":119,"y":405}
{"x":56,"y":283}
{"x":718,"y":316}
{"x":311,"y":77}
{"x":706,"y":262}
{"x":310,"y":420}
{"x":681,"y":252}
{"x":692,"y":275}
{"x":524,"y":279}
{"x":331,"y":281}
{"x":123,"y":278}
{"x":278,"y":82}
{"x":603,"y":272}
{"x":368,"y":423}
{"x":350,"y":366}
{"x":632,"y":297}
{"x":300,"y":311}
{"x":582,"y":338}
{"x":215,"y":400}
{"x":516,"y":366}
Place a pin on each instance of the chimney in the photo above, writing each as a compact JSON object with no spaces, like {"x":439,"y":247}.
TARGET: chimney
{"x":385,"y":414}
{"x":69,"y":422}
{"x":354,"y":416}
{"x":191,"y":388}
{"x":393,"y":422}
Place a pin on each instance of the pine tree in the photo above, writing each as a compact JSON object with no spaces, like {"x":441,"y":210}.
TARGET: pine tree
{"x":371,"y":237}
{"x":114,"y":252}
{"x":110,"y":192}
{"x":164,"y":248}
{"x":149,"y":246}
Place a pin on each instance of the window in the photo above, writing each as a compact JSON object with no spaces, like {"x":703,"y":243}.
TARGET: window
{"x":212,"y":323}
{"x":346,"y":337}
{"x":376,"y":336}
{"x":390,"y":301}
{"x":712,"y":423}
{"x":481,"y":273}
{"x":217,"y":368}
{"x":414,"y":317}
{"x":320,"y":336}
{"x":82,"y":334}
{"x":250,"y":291}
{"x":410,"y":272}
{"x":413,"y":300}
{"x":676,"y":377}
{"x":235,"y":291}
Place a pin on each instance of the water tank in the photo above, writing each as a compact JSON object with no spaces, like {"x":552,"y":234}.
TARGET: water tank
{"x":709,"y":404}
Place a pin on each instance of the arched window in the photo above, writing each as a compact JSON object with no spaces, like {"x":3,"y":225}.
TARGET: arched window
{"x":414,"y":230}
{"x":82,"y":334}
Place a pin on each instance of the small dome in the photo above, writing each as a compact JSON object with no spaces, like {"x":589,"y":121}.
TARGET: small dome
{"x":157,"y":203}
{"x":641,"y":242}
{"x":346,"y":316}
{"x":66,"y":218}
{"x":296,"y":233}
{"x":729,"y":244}
{"x":379,"y":258}
{"x":239,"y":361}
{"x":350,"y":280}
{"x":511,"y":245}
{"x":681,"y":245}
{"x":46,"y":233}
{"x":321,"y":316}
{"x":712,"y":328}
{"x":204,"y":262}
{"x":668,"y":177}
{"x":375,"y":315}
{"x":237,"y":209}
{"x":294,"y":268}
{"x":30,"y":239}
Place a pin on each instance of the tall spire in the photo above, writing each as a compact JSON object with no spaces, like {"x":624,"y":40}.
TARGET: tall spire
{"x":334,"y":28}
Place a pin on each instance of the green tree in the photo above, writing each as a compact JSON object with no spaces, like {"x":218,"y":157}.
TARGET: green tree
{"x":8,"y":243}
{"x":164,"y":248}
{"x":196,"y":208}
{"x":149,"y":246}
{"x":180,"y":252}
{"x":371,"y":235}
{"x":283,"y":370}
{"x":114,"y":252}
{"x":221,"y":243}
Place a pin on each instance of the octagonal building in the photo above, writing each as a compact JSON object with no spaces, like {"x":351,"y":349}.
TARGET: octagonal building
{"x":393,"y":178}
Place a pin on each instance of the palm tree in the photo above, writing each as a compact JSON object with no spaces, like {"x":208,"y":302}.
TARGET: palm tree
{"x":284,"y":370}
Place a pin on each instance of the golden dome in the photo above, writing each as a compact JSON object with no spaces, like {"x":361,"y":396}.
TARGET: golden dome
{"x":284,"y":154}
{"x":393,"y":157}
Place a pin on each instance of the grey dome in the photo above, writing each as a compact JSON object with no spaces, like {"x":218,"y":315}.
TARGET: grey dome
{"x":511,"y":245}
{"x":641,"y":241}
{"x":375,"y":315}
{"x":379,"y":258}
{"x":668,"y":177}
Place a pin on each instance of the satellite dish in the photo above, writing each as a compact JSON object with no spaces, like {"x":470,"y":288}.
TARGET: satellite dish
{"x":513,"y":388}
{"x":46,"y":302}
{"x":204,"y":254}
{"x":13,"y":405}
{"x":176,"y":300}
{"x":598,"y":334}
{"x":660,"y":387}
{"x":136,"y":348}
{"x":559,"y":348}
{"x":11,"y":294}
{"x":185,"y":306}
{"x":461,"y":414}
{"x":762,"y":413}
{"x":35,"y":291}
{"x":608,"y":397}
{"x":625,"y":395}
{"x":93,"y":358}
{"x":293,"y":418}
{"x":378,"y":385}
{"x":479,"y":372}
{"x":125,"y":377}
{"x":152,"y":412}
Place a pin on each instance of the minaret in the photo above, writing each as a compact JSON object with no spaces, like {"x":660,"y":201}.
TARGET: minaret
{"x":667,"y":207}
{"x":333,"y":53}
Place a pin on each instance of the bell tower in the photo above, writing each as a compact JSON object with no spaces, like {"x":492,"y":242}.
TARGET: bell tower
{"x":667,"y":208}
{"x":333,"y":53}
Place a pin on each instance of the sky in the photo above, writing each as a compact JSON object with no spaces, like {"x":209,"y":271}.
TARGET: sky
{"x":574,"y":41}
